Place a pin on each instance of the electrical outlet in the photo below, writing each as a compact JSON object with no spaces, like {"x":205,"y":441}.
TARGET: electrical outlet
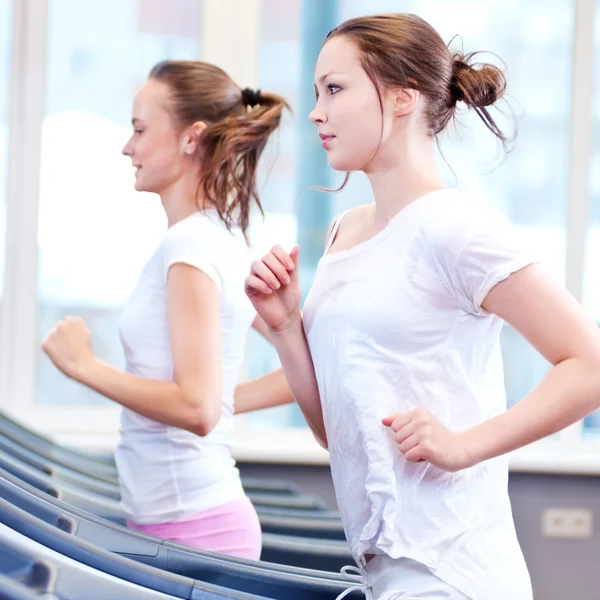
{"x":568,"y":523}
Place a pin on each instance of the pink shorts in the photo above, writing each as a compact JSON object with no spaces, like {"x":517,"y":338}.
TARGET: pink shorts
{"x":231,"y":528}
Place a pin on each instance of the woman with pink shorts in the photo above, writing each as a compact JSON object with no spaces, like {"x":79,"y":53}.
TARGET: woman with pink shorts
{"x":197,"y":138}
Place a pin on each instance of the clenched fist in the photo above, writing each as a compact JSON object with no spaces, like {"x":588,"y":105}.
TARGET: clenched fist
{"x":421,"y":437}
{"x":274,"y":289}
{"x":69,"y":346}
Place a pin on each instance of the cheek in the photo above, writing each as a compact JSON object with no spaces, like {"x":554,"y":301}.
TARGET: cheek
{"x":161,"y":164}
{"x":158,"y":153}
{"x":359,"y":129}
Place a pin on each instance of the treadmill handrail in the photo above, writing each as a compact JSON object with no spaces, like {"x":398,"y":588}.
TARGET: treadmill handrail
{"x":82,"y":514}
{"x":108,"y":562}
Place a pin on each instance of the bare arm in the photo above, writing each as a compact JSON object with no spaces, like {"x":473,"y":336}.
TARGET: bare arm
{"x":192,"y":401}
{"x":267,"y":391}
{"x":274,"y":290}
{"x":261,"y":328}
{"x":297,"y":364}
{"x":556,"y":325}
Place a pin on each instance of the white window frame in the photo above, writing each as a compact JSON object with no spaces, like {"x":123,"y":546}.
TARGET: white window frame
{"x":231,"y":39}
{"x":580,"y":156}
{"x":26,"y":112}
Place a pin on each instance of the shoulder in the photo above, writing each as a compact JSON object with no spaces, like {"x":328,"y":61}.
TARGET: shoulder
{"x":205,"y":234}
{"x":354,"y":217}
{"x":201,"y":242}
{"x":196,"y":229}
{"x":473,"y":247}
{"x":453,"y":219}
{"x":351,"y":219}
{"x":463,"y":237}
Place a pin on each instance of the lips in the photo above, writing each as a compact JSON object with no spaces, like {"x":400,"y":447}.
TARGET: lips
{"x":326,"y":139}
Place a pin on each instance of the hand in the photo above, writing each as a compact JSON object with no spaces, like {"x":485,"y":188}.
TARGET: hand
{"x":273,"y":288}
{"x":69,"y":346}
{"x":421,"y":437}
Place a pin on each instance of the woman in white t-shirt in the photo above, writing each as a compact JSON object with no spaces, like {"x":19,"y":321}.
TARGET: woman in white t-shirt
{"x":196,"y":142}
{"x":395,"y":360}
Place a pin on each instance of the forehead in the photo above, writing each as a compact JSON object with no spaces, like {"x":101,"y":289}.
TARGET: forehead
{"x":153,"y":96}
{"x":338,"y":55}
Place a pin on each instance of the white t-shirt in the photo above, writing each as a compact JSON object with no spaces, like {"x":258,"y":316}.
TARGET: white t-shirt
{"x":396,"y":323}
{"x":166,"y":473}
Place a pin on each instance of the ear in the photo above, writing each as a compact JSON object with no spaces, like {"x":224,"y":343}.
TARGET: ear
{"x":404,"y":101}
{"x":192,"y":136}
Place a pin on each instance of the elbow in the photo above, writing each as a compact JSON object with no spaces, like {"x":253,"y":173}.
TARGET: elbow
{"x":321,"y":438}
{"x":322,"y":443}
{"x":590,"y":382}
{"x":593,"y":368}
{"x":204,"y":416}
{"x":596,"y":379}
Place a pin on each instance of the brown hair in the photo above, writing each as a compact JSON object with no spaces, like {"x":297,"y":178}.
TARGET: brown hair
{"x":239,"y":123}
{"x":403,"y":50}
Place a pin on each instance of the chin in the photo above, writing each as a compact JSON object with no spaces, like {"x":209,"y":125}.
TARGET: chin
{"x":141,"y":186}
{"x":340,"y":163}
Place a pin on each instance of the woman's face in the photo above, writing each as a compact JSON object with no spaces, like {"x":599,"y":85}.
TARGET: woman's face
{"x":156,"y":147}
{"x":359,"y":130}
{"x":347,"y":111}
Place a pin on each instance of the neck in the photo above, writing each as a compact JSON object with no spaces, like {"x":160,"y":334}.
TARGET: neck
{"x":182,"y":199}
{"x":407,"y":173}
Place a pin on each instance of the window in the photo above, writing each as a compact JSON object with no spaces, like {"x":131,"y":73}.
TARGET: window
{"x":5,"y":41}
{"x":95,"y":231}
{"x":280,"y":44}
{"x":91,"y":243}
{"x":591,"y":296}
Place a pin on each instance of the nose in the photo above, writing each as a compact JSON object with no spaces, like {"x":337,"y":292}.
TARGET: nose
{"x":127,"y":150}
{"x":317,"y":116}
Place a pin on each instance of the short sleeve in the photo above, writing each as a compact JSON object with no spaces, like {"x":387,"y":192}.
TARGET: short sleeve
{"x":478,"y":254}
{"x":191,"y":246}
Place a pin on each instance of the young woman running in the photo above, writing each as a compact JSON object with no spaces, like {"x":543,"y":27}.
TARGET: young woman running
{"x":196,"y":143}
{"x":395,"y":360}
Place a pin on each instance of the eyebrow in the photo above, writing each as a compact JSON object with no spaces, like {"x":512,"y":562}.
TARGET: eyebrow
{"x":135,"y":120}
{"x":324,"y":77}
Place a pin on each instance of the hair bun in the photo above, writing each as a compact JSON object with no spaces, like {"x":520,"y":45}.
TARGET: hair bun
{"x":476,"y":84}
{"x":456,"y":90}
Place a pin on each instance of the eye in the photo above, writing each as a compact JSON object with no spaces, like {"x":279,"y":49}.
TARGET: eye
{"x":138,"y":131}
{"x":333,"y":88}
